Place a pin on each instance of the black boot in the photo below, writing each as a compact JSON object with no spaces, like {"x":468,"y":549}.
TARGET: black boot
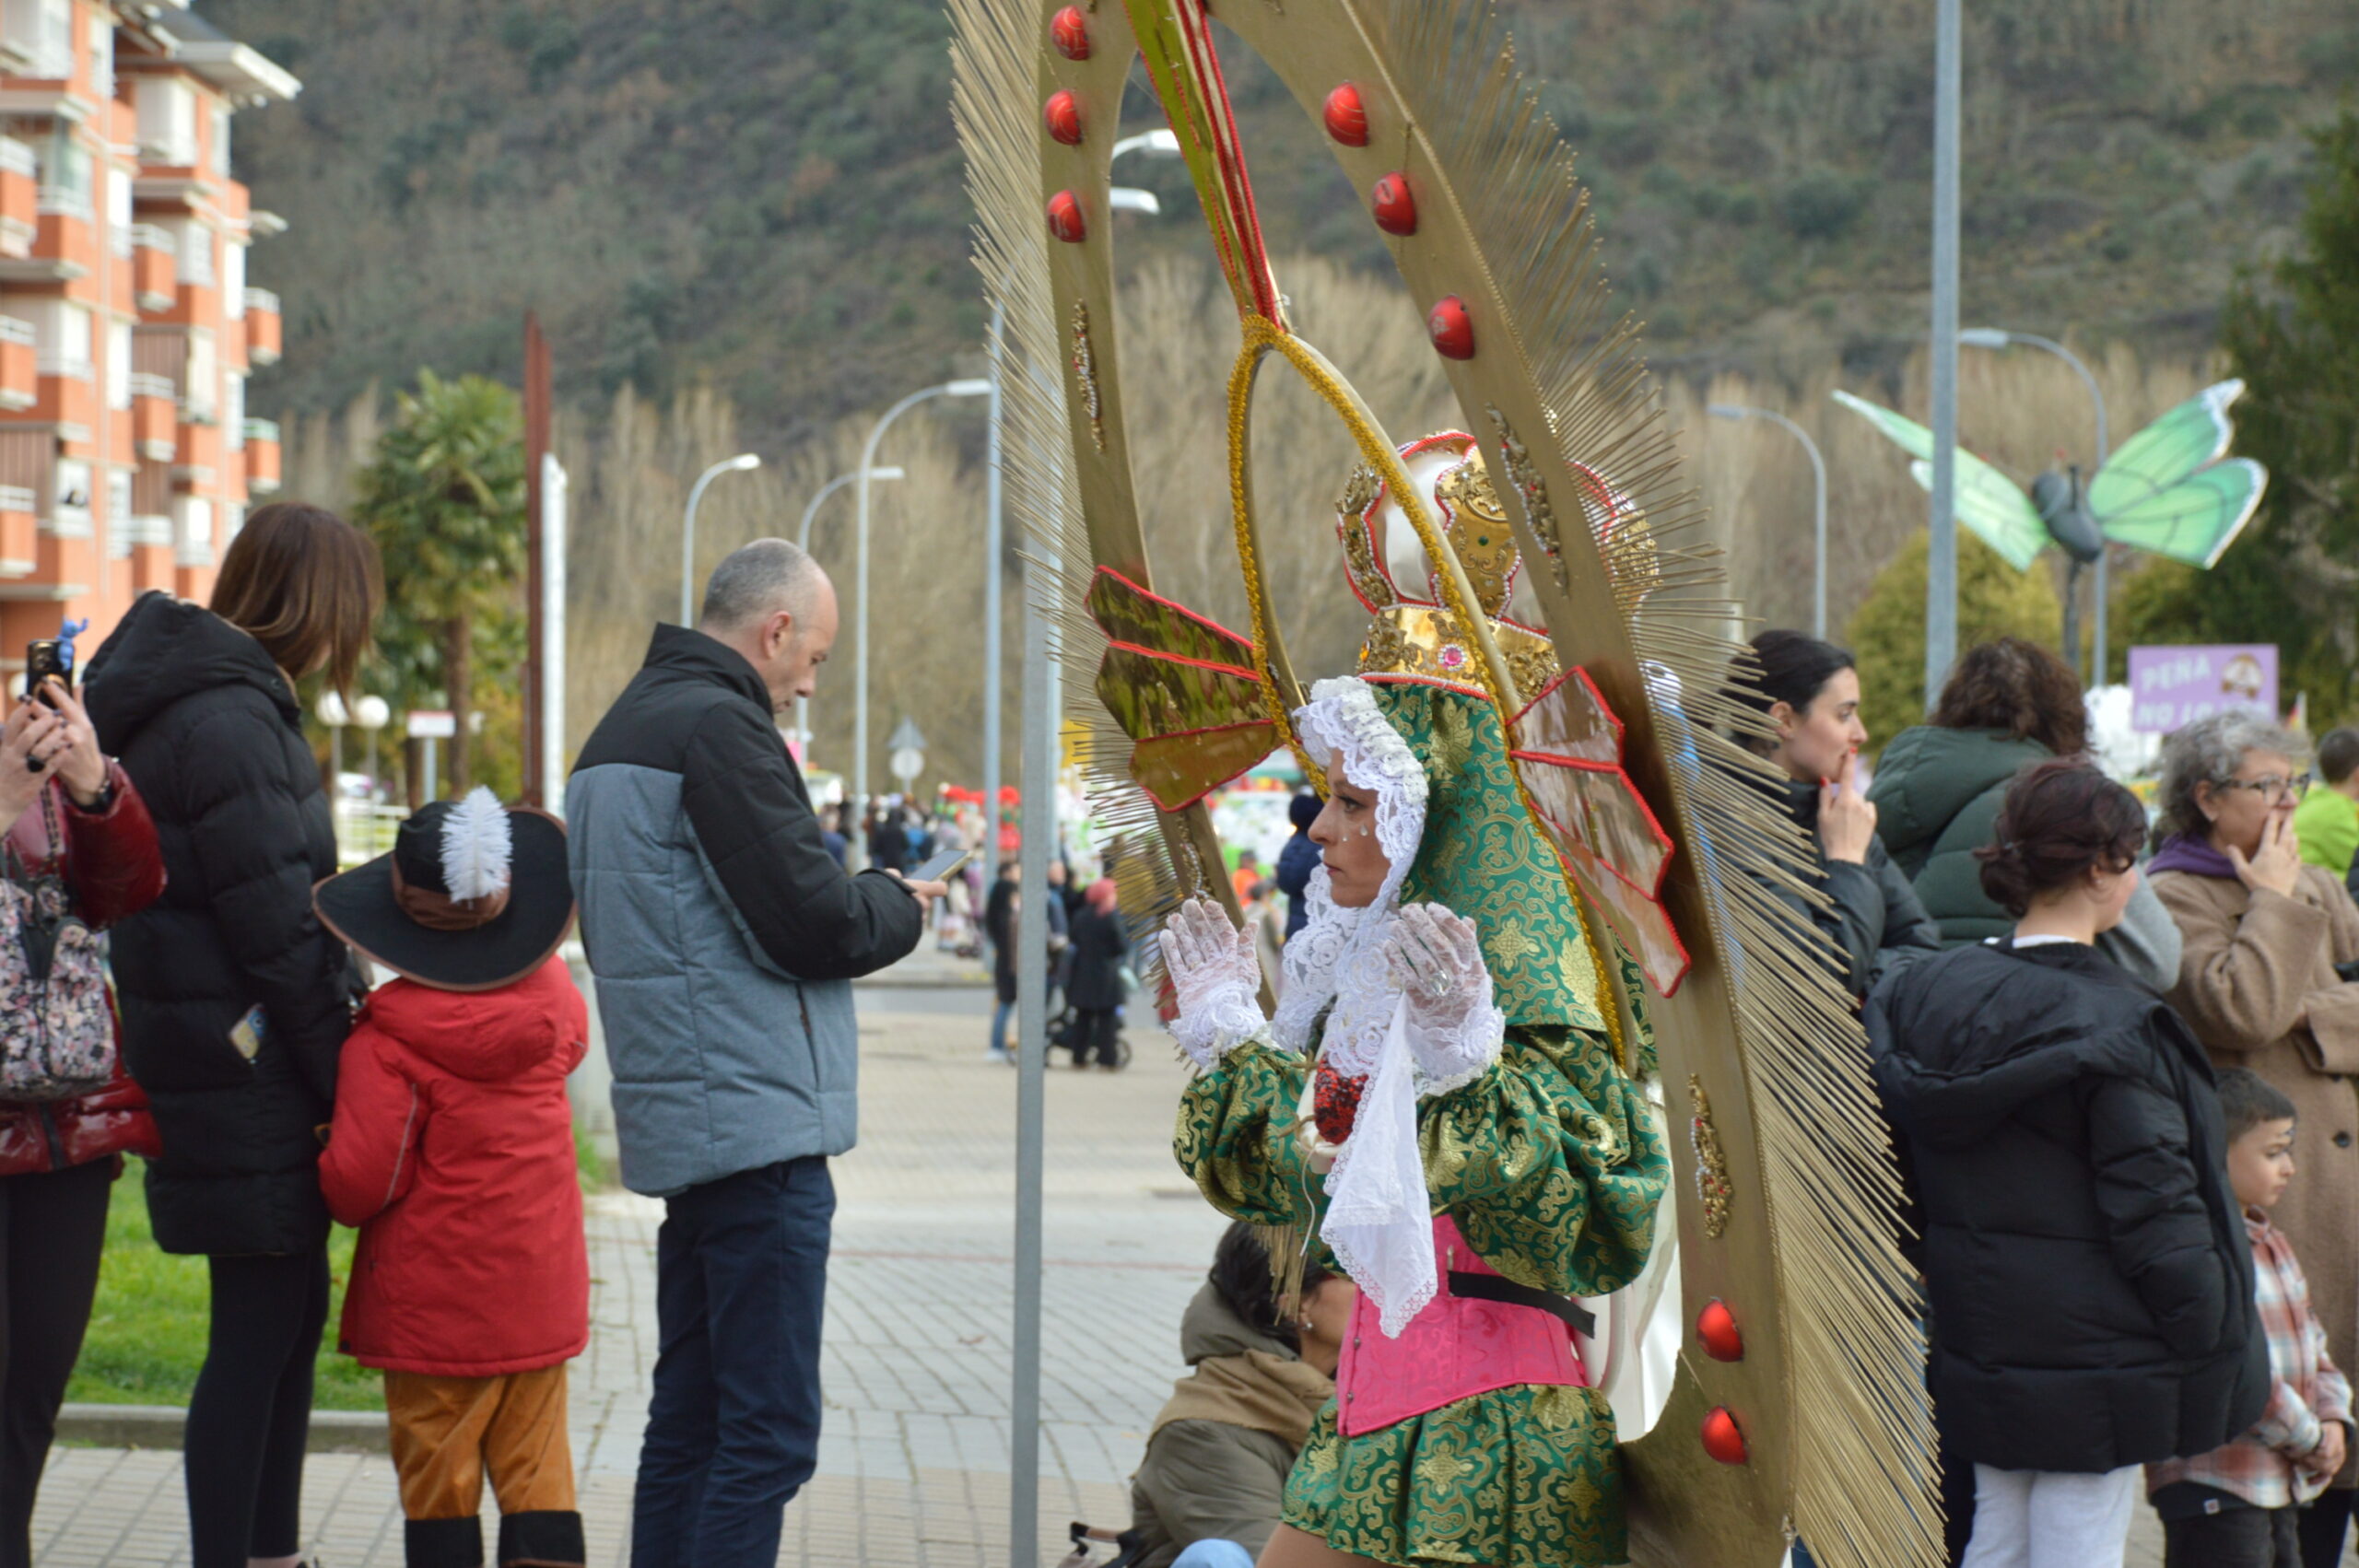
{"x":548,"y":1538}
{"x":442,"y":1543}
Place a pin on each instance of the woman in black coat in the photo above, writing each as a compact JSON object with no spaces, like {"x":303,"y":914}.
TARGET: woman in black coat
{"x":2089,"y":1279}
{"x":235,"y":1001}
{"x":1095,"y":988}
{"x":1808,"y":692}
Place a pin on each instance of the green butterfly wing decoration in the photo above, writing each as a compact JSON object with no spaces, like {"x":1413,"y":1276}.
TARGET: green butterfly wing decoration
{"x":2172,"y":489}
{"x":1987,"y":501}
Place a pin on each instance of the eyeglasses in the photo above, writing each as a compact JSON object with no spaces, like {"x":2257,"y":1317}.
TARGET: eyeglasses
{"x":2270,"y":787}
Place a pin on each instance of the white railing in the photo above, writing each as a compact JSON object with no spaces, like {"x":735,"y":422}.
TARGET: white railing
{"x":71,"y":369}
{"x":262,"y":431}
{"x":147,"y":237}
{"x":18,"y":498}
{"x":15,"y":158}
{"x":174,"y":152}
{"x":57,"y":199}
{"x":15,"y":329}
{"x":262,"y":299}
{"x":145,"y":383}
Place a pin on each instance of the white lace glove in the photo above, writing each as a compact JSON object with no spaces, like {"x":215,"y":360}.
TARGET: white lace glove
{"x":1454,"y":1031}
{"x":1216,"y":979}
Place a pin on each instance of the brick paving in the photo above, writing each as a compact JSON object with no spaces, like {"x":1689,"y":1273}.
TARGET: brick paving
{"x":915,"y":1463}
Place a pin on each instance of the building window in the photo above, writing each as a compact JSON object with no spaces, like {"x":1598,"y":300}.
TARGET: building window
{"x":65,"y":173}
{"x":102,"y":56}
{"x":221,"y":140}
{"x":118,"y":504}
{"x":200,"y":394}
{"x":233,"y":280}
{"x":69,"y":511}
{"x":166,"y":121}
{"x":62,"y":339}
{"x":45,"y":29}
{"x":118,"y":364}
{"x":195,"y":245}
{"x":233,"y":411}
{"x":196,"y":531}
{"x":119,"y":216}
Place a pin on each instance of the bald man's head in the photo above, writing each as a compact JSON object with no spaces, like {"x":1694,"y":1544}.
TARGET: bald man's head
{"x":771,"y":601}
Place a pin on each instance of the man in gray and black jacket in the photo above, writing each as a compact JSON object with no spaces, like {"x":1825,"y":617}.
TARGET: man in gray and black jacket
{"x":724,"y":939}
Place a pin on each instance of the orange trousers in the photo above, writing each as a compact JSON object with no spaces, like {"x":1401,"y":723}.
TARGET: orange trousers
{"x":446,"y":1430}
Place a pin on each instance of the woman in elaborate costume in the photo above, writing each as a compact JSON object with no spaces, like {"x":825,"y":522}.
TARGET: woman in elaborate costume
{"x":1437,"y":1103}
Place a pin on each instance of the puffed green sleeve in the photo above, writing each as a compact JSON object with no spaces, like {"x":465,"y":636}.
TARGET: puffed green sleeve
{"x":1236,"y":1137}
{"x":1551,"y":1162}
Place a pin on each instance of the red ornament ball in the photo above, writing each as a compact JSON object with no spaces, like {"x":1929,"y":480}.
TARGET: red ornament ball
{"x":1716,"y":1328}
{"x":1722,"y":1441}
{"x":1069,"y":30}
{"x":1335,"y":1103}
{"x":1062,"y":114}
{"x":1451,"y":328}
{"x":1395,"y":208}
{"x":1064,"y":219}
{"x":1347,"y":116}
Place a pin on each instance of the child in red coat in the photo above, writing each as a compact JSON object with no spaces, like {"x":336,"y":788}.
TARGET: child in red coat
{"x":453,"y":1152}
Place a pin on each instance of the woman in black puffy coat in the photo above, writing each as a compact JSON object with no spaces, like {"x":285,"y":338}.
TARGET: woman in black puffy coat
{"x":235,"y":1001}
{"x":2089,"y":1282}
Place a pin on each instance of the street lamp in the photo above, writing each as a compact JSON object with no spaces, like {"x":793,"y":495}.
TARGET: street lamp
{"x":977,"y":386}
{"x":1818,"y":525}
{"x":802,"y":538}
{"x":1999,"y":337}
{"x":742,"y":462}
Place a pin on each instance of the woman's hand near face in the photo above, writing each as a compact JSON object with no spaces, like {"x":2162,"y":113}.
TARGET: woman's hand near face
{"x":82,"y":766}
{"x":1846,"y":819}
{"x":2276,"y":864}
{"x":30,"y":742}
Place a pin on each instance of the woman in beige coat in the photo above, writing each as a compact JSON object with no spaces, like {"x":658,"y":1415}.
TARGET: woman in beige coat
{"x":2263,"y":934}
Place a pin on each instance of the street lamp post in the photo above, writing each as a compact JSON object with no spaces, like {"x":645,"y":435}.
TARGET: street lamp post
{"x":802,"y":538}
{"x":1999,"y":337}
{"x":975,"y":387}
{"x":1818,"y":523}
{"x":1940,"y":553}
{"x":742,"y":462}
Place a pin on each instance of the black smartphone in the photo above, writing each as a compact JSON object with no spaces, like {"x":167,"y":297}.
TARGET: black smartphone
{"x":46,"y":658}
{"x":941,"y":866}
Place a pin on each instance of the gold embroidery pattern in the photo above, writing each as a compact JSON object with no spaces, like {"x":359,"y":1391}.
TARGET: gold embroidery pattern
{"x":1478,"y":531}
{"x":1524,"y":478}
{"x":1712,"y":1185}
{"x":1430,"y":642}
{"x":1085,"y":370}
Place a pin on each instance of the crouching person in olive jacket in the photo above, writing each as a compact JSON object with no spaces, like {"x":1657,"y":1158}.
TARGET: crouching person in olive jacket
{"x":2089,"y":1287}
{"x":724,"y":939}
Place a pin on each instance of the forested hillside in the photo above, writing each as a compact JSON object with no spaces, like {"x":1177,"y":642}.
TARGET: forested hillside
{"x":765,"y":194}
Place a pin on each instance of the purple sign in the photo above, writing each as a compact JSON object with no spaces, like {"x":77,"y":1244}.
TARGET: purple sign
{"x":2171,"y":686}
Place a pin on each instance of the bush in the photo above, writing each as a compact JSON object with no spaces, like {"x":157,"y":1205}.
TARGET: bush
{"x":1887,"y":635}
{"x":1821,"y":205}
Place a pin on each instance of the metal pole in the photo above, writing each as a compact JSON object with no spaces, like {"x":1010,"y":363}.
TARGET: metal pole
{"x":552,"y":690}
{"x":2096,"y":397}
{"x":1941,"y":556}
{"x":1032,"y":1065}
{"x":802,"y":704}
{"x":1818,"y":525}
{"x":994,"y":542}
{"x":689,"y":548}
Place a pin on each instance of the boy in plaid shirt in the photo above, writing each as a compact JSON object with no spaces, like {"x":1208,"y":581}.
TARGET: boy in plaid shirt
{"x":2239,"y":1506}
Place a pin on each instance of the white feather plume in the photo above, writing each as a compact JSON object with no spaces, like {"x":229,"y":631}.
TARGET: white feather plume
{"x":475,"y":847}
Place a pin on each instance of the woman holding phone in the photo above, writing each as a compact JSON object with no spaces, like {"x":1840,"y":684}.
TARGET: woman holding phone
{"x":235,"y":1001}
{"x":74,"y":825}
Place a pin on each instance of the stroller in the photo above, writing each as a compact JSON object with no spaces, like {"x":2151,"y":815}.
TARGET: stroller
{"x":1126,"y":1545}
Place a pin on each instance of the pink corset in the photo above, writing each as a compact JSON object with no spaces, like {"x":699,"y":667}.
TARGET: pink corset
{"x":1454,"y":1349}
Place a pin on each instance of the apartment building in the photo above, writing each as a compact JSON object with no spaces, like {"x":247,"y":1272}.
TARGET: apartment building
{"x":127,"y":327}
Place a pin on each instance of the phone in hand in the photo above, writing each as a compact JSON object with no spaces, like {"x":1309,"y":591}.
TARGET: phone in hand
{"x":941,"y":866}
{"x":47,"y":658}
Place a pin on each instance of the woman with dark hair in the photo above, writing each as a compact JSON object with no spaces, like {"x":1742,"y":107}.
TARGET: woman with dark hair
{"x":2007,"y":705}
{"x":235,"y":1001}
{"x":1809,"y":693}
{"x":77,"y":835}
{"x":1094,"y":987}
{"x":1217,"y":1459}
{"x":2090,"y":1290}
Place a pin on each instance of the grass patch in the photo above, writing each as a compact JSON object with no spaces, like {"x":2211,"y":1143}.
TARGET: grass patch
{"x":146,"y":1338}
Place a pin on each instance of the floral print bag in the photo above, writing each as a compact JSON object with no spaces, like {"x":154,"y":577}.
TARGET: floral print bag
{"x":56,"y":1030}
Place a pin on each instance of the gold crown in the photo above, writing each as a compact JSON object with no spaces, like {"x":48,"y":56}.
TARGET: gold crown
{"x":1416,"y":636}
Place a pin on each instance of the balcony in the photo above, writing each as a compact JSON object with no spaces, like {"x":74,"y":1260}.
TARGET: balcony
{"x":19,"y":199}
{"x":19,"y":367}
{"x":262,"y":327}
{"x":66,"y":244}
{"x":155,"y":416}
{"x":155,"y":267}
{"x":66,"y":395}
{"x":261,"y":457}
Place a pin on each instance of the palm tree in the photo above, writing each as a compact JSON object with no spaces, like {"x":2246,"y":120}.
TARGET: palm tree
{"x":444,"y":498}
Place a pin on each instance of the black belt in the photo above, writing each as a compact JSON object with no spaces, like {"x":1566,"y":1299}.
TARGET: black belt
{"x":1499,"y":1288}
